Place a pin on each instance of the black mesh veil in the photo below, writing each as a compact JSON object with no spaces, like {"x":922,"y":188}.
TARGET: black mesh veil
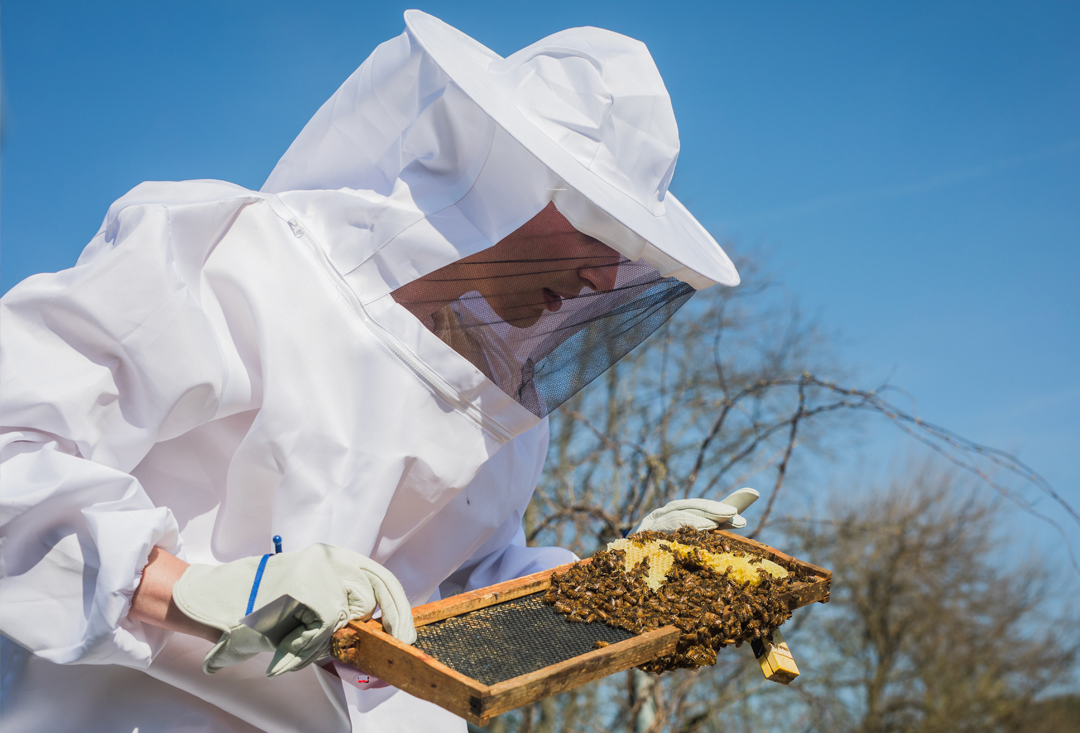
{"x":544,"y":325}
{"x":543,"y":365}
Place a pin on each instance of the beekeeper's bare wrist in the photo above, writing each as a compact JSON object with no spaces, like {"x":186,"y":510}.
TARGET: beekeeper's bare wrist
{"x":152,"y":602}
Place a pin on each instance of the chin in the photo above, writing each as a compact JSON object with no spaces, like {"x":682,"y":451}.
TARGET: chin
{"x":518,"y":316}
{"x":519,"y":319}
{"x":525,"y":322}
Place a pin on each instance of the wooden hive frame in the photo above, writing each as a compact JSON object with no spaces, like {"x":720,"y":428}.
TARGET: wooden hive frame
{"x":365,"y":646}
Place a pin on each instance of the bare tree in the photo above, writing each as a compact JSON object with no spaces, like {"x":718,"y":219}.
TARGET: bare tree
{"x":934,"y":625}
{"x":729,"y":391}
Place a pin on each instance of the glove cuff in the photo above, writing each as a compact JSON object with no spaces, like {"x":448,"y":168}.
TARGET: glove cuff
{"x":215,"y":595}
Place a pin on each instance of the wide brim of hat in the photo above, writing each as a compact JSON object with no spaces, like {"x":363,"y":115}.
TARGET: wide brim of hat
{"x":675,"y":232}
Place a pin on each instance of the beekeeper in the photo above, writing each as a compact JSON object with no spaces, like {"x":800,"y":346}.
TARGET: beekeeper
{"x":359,"y":358}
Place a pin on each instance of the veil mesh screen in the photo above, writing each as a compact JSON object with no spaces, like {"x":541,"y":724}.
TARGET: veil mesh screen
{"x":540,"y":332}
{"x":510,"y":639}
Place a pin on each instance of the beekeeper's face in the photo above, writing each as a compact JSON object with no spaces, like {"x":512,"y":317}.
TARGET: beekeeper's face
{"x":497,"y":308}
{"x":538,"y":266}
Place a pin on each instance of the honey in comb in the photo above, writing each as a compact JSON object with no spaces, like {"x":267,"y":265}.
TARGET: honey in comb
{"x":661,"y":553}
{"x":688,"y":579}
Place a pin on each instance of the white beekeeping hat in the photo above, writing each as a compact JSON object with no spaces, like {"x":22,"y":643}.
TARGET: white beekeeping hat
{"x":590,"y":104}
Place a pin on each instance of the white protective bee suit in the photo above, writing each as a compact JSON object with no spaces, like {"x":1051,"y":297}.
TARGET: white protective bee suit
{"x":224,"y":365}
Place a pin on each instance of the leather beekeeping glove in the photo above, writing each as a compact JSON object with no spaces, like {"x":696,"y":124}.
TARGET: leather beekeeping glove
{"x":701,"y":514}
{"x":335,"y":584}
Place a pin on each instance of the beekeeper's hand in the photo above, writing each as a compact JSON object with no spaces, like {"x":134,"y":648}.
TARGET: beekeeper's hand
{"x":336,"y":585}
{"x":701,"y":514}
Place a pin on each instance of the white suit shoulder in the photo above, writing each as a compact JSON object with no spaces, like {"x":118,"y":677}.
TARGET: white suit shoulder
{"x":171,"y":199}
{"x":99,"y":363}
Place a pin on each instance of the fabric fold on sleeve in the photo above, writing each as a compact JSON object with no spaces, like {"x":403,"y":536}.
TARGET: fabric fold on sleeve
{"x":99,"y":363}
{"x":61,"y":516}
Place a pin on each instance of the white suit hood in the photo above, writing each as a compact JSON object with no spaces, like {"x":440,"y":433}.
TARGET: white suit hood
{"x":400,"y":173}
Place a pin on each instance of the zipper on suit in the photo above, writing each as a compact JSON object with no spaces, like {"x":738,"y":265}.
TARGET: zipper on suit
{"x":427,"y":375}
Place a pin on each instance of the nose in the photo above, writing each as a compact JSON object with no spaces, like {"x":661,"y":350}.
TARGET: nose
{"x":601,"y":276}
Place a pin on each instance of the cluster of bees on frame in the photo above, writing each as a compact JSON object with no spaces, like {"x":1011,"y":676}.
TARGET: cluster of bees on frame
{"x":711,"y":609}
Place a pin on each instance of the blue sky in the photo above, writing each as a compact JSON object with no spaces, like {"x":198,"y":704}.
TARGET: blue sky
{"x":913,"y":169}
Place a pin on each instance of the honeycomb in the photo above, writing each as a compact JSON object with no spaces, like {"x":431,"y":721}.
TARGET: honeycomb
{"x":688,"y":579}
{"x":661,"y":554}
